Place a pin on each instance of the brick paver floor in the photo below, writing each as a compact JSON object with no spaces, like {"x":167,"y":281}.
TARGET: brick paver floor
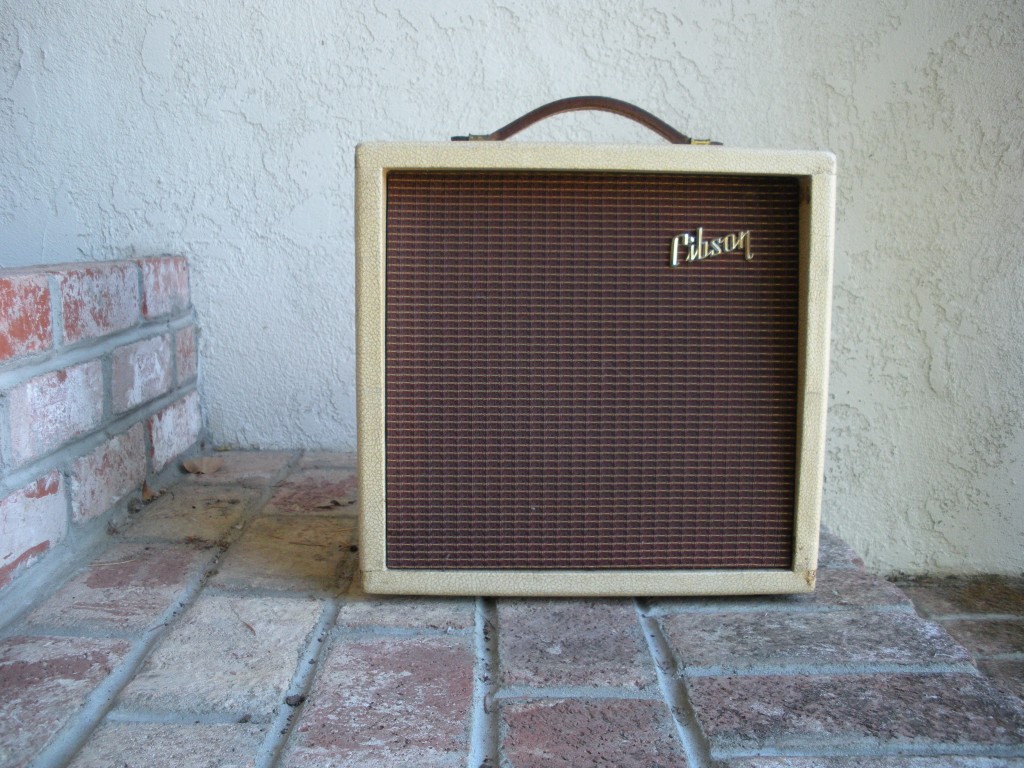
{"x":225,"y":626}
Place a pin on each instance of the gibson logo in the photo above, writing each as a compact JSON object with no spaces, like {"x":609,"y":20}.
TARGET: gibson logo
{"x":693,"y":247}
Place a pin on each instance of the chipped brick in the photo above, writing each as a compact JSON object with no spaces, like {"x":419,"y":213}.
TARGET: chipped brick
{"x":388,"y":701}
{"x":239,"y":653}
{"x":25,"y":323}
{"x":195,"y":513}
{"x":101,"y":478}
{"x":557,"y":733}
{"x":175,"y":429}
{"x":98,"y":300}
{"x":141,"y":372}
{"x":780,"y":712}
{"x":275,"y":553}
{"x":32,"y":520}
{"x":741,"y":641}
{"x":186,"y":354}
{"x":573,"y":642}
{"x":43,"y":682}
{"x":125,"y":589}
{"x":250,"y":468}
{"x":49,"y":410}
{"x":316,"y":491}
{"x":164,"y":286}
{"x":227,"y":745}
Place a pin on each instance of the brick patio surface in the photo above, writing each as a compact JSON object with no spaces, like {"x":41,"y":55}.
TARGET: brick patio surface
{"x":225,"y":626}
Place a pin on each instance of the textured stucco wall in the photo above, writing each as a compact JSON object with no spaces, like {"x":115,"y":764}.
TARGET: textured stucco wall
{"x":224,"y":131}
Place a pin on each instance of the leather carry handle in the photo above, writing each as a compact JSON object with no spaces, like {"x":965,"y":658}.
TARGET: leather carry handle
{"x":598,"y":103}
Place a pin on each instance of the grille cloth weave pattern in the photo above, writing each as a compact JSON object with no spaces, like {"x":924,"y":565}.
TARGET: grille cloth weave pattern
{"x":558,"y":396}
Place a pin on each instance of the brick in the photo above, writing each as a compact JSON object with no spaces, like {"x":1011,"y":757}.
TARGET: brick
{"x":388,"y":701}
{"x":590,"y":732}
{"x":735,"y":642}
{"x":545,"y":643}
{"x":101,"y":478}
{"x":833,"y":552}
{"x":228,"y":656}
{"x":43,"y":682}
{"x":1007,"y":674}
{"x":50,"y":410}
{"x":285,"y":554}
{"x":322,"y":459}
{"x":361,"y":611}
{"x":972,"y":595}
{"x":171,"y":746}
{"x":194,"y":513}
{"x":837,"y":589}
{"x":25,"y":323}
{"x":164,"y":286}
{"x":316,"y":491}
{"x":893,"y":761}
{"x":141,"y":372}
{"x":175,"y":429}
{"x":186,"y":354}
{"x":124,"y":590}
{"x":98,"y":300}
{"x":249,"y":468}
{"x":33,"y":519}
{"x":853,"y":588}
{"x":988,"y":638}
{"x":759,"y":713}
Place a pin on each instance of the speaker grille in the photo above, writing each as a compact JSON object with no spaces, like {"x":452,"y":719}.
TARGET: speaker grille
{"x":557,"y":396}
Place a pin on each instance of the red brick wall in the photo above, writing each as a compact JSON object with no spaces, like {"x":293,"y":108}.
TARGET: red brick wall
{"x":98,"y":392}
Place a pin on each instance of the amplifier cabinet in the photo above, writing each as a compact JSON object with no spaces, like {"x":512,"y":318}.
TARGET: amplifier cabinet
{"x":591,"y":370}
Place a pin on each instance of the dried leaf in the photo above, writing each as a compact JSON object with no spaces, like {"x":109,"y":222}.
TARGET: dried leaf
{"x":203,"y":465}
{"x":200,"y":543}
{"x":332,"y":503}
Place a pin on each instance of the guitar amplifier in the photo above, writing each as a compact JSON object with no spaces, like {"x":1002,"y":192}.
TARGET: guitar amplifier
{"x":591,"y":370}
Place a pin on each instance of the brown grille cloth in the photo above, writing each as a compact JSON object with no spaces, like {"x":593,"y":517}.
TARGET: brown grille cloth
{"x":557,"y":396}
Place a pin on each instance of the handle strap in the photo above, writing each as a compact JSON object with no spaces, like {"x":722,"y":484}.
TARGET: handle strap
{"x":598,"y":103}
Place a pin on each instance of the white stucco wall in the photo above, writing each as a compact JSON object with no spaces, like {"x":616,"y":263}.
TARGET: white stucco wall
{"x":224,"y":130}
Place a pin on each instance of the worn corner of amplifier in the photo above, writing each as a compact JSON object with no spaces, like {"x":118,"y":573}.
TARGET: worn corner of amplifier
{"x":811,"y":577}
{"x":371,"y":582}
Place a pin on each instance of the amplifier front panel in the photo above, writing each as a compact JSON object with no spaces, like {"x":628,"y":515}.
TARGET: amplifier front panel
{"x":558,"y":396}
